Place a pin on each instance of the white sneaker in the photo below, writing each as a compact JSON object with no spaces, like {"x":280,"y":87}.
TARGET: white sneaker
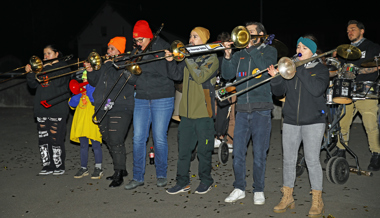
{"x":45,"y":172}
{"x":258,"y":198}
{"x":58,"y":172}
{"x":235,"y":195}
{"x":217,"y":143}
{"x":230,"y":148}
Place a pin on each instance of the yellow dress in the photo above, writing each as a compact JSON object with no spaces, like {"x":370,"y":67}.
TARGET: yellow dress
{"x":82,"y":125}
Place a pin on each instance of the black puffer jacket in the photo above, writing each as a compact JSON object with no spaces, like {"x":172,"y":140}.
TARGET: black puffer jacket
{"x":305,"y":102}
{"x":103,"y":80}
{"x":58,"y":88}
{"x":156,"y":79}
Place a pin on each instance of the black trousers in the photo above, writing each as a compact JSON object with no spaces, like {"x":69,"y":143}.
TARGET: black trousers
{"x":114,"y":128}
{"x":190,"y":133}
{"x":51,"y":134}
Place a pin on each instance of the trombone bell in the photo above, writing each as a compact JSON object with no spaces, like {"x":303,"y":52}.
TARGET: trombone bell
{"x":36,"y":64}
{"x":95,"y":60}
{"x":240,"y":36}
{"x":134,"y":69}
{"x":286,"y":68}
{"x":178,"y":50}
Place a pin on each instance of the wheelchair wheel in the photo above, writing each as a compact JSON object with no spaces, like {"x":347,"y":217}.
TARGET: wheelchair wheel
{"x":329,"y":169}
{"x":300,"y":167}
{"x":340,"y":170}
{"x":223,"y":153}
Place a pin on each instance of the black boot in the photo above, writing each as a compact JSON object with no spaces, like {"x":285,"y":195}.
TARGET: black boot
{"x":117,"y":179}
{"x":340,"y":153}
{"x":374,"y":164}
{"x":123,"y":172}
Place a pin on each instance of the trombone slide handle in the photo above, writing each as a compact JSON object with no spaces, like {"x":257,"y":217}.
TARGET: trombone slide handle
{"x":100,"y":120}
{"x":45,"y":104}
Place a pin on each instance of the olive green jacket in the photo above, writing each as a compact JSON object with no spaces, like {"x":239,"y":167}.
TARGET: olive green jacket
{"x":198,"y":93}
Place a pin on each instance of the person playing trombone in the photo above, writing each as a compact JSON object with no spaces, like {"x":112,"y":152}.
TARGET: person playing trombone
{"x":304,"y":120}
{"x":51,"y":121}
{"x":253,"y":118}
{"x":154,"y":105}
{"x":114,"y":126}
{"x":197,"y":111}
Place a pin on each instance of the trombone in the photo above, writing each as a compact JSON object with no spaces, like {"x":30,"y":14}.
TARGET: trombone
{"x":36,"y":64}
{"x":286,"y":68}
{"x":134,"y":69}
{"x":240,"y":37}
{"x":94,"y":59}
{"x":177,"y":48}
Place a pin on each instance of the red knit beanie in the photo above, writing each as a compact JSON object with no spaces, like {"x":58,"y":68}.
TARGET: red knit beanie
{"x":142,"y":29}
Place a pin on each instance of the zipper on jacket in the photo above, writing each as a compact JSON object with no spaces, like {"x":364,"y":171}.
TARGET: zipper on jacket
{"x":105,"y":84}
{"x":299,"y":101}
{"x":187,"y":99}
{"x":249,"y":68}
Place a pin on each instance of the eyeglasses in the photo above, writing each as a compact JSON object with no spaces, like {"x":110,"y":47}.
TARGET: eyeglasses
{"x":138,"y":40}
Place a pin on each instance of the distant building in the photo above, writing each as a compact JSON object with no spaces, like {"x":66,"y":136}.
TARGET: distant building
{"x":109,"y":21}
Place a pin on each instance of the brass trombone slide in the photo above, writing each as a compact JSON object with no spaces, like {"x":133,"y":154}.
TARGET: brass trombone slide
{"x":240,"y":37}
{"x":36,"y":60}
{"x":177,"y":48}
{"x":36,"y":64}
{"x":108,"y":106}
{"x":94,"y":59}
{"x":286,"y":68}
{"x":239,"y":42}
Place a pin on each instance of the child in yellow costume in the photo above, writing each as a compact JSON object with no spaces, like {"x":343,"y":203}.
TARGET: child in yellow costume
{"x":85,"y":131}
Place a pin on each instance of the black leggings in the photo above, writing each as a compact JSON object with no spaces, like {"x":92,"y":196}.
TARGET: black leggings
{"x":51,"y":134}
{"x":114,"y":128}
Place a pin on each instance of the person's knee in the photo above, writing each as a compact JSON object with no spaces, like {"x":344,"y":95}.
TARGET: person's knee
{"x":117,"y":149}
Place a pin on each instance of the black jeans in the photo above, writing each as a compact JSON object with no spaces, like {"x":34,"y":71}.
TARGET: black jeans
{"x":51,"y":133}
{"x":114,"y":128}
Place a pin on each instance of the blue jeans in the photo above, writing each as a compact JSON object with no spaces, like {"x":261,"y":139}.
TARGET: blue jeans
{"x":258,"y":125}
{"x":157,"y":112}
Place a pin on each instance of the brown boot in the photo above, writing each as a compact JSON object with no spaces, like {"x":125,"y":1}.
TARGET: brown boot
{"x":286,"y":202}
{"x":316,"y":209}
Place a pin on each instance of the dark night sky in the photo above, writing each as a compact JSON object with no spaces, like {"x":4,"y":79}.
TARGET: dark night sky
{"x":27,"y":27}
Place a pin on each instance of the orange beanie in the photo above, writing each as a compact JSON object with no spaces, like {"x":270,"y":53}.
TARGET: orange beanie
{"x":119,"y":43}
